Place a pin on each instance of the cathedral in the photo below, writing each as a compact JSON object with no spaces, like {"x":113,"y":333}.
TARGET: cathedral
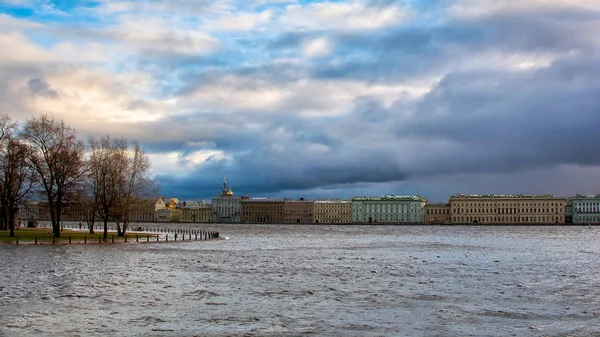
{"x":226,"y":208}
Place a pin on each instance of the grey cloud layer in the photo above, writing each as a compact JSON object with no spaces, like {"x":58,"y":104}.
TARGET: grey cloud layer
{"x":475,"y":120}
{"x":481,"y":117}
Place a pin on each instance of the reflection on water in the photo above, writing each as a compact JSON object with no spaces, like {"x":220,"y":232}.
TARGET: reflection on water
{"x":313,"y":280}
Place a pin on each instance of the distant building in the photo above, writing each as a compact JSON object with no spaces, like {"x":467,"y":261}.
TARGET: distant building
{"x":437,"y":213}
{"x":569,"y":211}
{"x":34,"y":210}
{"x":226,"y":208}
{"x":258,"y":210}
{"x":144,"y":210}
{"x":388,"y":209}
{"x":298,"y":211}
{"x":196,"y":212}
{"x":503,"y":209}
{"x":334,"y":211}
{"x":586,"y":209}
{"x":168,"y":215}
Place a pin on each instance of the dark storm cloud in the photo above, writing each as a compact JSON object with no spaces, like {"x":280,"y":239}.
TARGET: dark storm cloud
{"x":413,"y":51}
{"x":38,"y":86}
{"x":496,"y":122}
{"x":516,"y":120}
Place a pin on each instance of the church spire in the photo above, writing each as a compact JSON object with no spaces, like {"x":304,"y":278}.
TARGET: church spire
{"x":226,"y":192}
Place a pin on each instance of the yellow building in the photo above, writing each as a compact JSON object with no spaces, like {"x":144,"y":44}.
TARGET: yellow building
{"x":333,"y":211}
{"x":507,"y":209}
{"x":200,"y":212}
{"x":168,"y":215}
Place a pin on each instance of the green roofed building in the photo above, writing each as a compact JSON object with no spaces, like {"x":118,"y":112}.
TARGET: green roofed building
{"x":391,"y":209}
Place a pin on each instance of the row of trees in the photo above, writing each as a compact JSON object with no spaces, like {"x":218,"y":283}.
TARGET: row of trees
{"x":106,"y":178}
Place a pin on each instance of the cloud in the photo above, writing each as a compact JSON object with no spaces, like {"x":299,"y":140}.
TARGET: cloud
{"x":341,"y":16}
{"x":316,"y":47}
{"x":238,"y":21}
{"x":323,"y":98}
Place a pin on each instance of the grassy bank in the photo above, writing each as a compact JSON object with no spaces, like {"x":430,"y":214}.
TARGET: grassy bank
{"x":44,"y":235}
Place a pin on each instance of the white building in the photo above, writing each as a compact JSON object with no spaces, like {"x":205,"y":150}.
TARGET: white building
{"x":226,"y":208}
{"x":388,"y":209}
{"x":586,"y":209}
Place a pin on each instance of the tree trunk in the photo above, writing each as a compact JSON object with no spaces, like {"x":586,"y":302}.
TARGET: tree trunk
{"x":90,"y":224}
{"x":119,"y":232}
{"x":125,"y":227}
{"x":55,"y":220}
{"x":11,"y":223}
{"x":105,"y":228}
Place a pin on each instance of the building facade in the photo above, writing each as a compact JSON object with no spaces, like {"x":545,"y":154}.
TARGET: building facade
{"x":262,"y":211}
{"x":196,"y":212}
{"x":586,"y":209}
{"x":168,"y":215}
{"x":298,"y":211}
{"x":144,"y":210}
{"x":388,"y":209}
{"x":507,"y":209}
{"x":437,"y":214}
{"x":333,"y":211}
{"x":226,"y":208}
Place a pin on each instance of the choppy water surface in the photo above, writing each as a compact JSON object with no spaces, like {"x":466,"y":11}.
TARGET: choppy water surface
{"x":311,"y":280}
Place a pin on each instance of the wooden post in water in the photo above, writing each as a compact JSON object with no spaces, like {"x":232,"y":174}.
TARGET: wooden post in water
{"x":175,"y":236}
{"x":137,"y":239}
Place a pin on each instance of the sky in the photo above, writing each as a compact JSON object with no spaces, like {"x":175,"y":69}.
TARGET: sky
{"x":321,"y":99}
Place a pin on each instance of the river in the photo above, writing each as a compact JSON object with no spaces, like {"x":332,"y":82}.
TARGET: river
{"x":311,"y":281}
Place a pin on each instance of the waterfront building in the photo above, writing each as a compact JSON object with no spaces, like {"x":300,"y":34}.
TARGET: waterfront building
{"x":226,"y":208}
{"x":159,"y":204}
{"x":586,"y":209}
{"x":144,"y":210}
{"x":569,"y":211}
{"x":388,"y":209}
{"x":333,"y":211}
{"x":168,"y":215}
{"x":437,"y":213}
{"x":196,"y":212}
{"x":502,"y":209}
{"x":34,"y":210}
{"x":298,"y":211}
{"x":262,"y":210}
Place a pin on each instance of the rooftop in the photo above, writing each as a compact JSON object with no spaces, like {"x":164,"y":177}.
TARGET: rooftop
{"x":391,"y":198}
{"x":482,"y":196}
{"x":332,"y":201}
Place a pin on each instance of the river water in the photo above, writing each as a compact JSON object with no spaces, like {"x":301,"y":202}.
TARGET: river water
{"x":311,"y":281}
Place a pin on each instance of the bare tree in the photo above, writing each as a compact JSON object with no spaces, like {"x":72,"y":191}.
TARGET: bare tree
{"x":57,"y":157}
{"x":16,"y":174}
{"x":119,"y":175}
{"x":84,"y":203}
{"x":138,"y":186}
{"x":106,"y":164}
